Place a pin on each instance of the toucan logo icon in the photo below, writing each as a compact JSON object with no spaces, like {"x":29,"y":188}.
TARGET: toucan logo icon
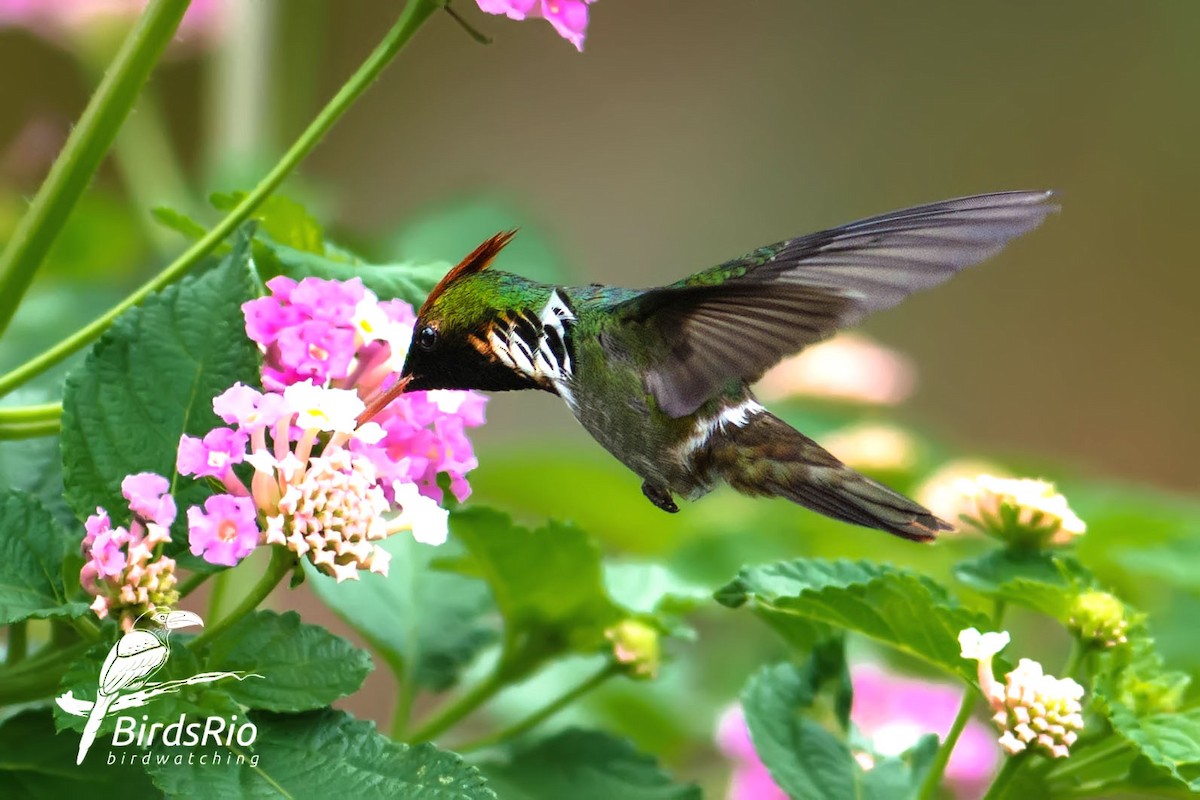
{"x":131,"y":663}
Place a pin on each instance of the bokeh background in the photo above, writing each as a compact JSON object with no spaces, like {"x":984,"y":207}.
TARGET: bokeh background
{"x":686,"y":133}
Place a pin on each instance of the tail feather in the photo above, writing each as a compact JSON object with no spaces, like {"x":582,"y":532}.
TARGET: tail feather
{"x":768,"y":457}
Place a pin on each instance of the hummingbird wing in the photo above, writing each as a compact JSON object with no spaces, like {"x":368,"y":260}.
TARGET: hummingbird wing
{"x":738,"y":319}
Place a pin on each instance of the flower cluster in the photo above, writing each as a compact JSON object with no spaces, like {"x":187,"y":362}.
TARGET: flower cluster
{"x":569,"y":17}
{"x":324,"y":481}
{"x":125,"y":570}
{"x":338,"y":334}
{"x":1032,"y":709}
{"x":1099,"y":619}
{"x":1020,"y":511}
{"x":890,"y":713}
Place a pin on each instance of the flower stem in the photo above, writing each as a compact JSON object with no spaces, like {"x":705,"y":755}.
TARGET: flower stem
{"x":545,"y":712}
{"x":29,"y":430}
{"x":459,"y":708}
{"x":998,"y":612}
{"x":17,"y":646}
{"x":282,"y":562}
{"x":414,"y":14}
{"x":1004,"y":777}
{"x":90,"y":139}
{"x":1074,"y":658}
{"x":933,"y":778}
{"x":216,"y":594}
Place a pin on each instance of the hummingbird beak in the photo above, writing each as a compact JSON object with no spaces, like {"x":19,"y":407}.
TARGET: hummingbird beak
{"x":381,"y":401}
{"x":183,"y":619}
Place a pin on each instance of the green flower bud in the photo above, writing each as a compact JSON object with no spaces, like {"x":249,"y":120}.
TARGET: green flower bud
{"x":1099,"y":618}
{"x":636,"y":645}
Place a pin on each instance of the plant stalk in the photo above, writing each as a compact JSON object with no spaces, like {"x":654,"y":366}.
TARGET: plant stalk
{"x":85,"y":148}
{"x":411,"y":18}
{"x":282,"y":562}
{"x":933,"y":778}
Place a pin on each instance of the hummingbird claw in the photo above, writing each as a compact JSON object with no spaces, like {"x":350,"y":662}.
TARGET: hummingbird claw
{"x":660,"y":496}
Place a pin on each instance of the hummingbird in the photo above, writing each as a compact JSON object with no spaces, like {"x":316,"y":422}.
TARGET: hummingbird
{"x":661,"y":377}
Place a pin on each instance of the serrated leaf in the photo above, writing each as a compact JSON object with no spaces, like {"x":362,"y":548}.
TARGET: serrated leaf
{"x":421,"y":620}
{"x":150,"y":379}
{"x":322,"y":754}
{"x":1043,"y":581}
{"x":1170,"y":742}
{"x":804,"y":758}
{"x":906,"y":611}
{"x":406,"y":281}
{"x":583,"y":765}
{"x":283,"y":219}
{"x":37,"y":764}
{"x":33,"y":547}
{"x":548,"y":583}
{"x":648,"y":588}
{"x":303,"y":667}
{"x":182,"y":224}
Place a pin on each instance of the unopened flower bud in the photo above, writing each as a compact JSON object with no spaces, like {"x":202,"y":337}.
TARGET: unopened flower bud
{"x":636,"y":645}
{"x":1100,"y":619}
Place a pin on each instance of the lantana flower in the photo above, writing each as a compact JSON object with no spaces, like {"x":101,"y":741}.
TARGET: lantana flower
{"x":637,"y":646}
{"x":873,"y":447}
{"x":849,"y":367}
{"x":1021,"y":511}
{"x":125,"y":570}
{"x":569,"y":17}
{"x":941,"y":491}
{"x":64,"y":21}
{"x":324,"y":481}
{"x":1032,"y":709}
{"x":891,"y":713}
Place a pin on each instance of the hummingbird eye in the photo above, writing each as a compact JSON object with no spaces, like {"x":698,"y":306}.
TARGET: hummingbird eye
{"x":427,"y":337}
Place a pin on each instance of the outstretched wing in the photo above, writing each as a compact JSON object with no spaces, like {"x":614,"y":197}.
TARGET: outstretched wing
{"x":740,"y":318}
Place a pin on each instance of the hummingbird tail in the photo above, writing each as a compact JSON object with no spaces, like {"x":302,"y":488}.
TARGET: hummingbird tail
{"x":768,"y":457}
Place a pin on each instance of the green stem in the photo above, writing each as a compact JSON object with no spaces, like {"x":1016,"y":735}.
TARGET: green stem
{"x":282,"y":562}
{"x":29,"y":430}
{"x":38,"y":676}
{"x":406,"y":695}
{"x":87,"y":628}
{"x":998,"y":612}
{"x":38,"y":413}
{"x":933,"y":778}
{"x":90,"y":139}
{"x":414,"y":14}
{"x":17,"y":645}
{"x":1074,"y":658}
{"x":452,"y":712}
{"x":193,"y":583}
{"x":220,"y":586}
{"x":545,"y":712}
{"x":1004,"y":777}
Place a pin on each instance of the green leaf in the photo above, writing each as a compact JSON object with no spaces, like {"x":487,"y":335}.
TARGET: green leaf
{"x":422,"y":621}
{"x":1171,"y":742}
{"x":893,"y":778}
{"x":899,"y":608}
{"x":283,"y":219}
{"x":803,"y":757}
{"x":37,"y":764}
{"x":150,"y":379}
{"x":35,"y":466}
{"x":407,"y":281}
{"x":302,"y":666}
{"x":547,"y":583}
{"x":648,"y":588}
{"x":323,"y":754}
{"x":182,"y":224}
{"x":33,"y":547}
{"x":1043,"y":581}
{"x":583,"y":765}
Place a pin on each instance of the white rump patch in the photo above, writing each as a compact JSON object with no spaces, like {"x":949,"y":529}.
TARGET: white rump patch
{"x":737,"y":416}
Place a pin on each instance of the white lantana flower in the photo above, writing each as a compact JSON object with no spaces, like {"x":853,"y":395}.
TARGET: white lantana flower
{"x":1020,"y":510}
{"x":1031,"y":708}
{"x":330,"y":410}
{"x":428,"y":521}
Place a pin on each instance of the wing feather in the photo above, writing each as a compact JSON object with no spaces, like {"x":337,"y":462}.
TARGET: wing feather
{"x":738,"y":319}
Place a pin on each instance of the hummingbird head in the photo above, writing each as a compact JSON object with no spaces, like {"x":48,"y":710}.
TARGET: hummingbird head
{"x":450,"y":346}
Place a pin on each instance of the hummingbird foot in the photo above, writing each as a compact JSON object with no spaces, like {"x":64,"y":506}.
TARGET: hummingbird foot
{"x":660,"y":496}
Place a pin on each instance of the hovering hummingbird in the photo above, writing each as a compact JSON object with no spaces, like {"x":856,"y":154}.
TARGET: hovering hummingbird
{"x":660,"y":377}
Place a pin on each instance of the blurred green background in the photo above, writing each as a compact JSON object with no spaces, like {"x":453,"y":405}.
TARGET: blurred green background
{"x":685,"y":134}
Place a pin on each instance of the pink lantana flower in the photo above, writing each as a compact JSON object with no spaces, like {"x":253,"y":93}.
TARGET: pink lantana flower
{"x":891,"y":713}
{"x":569,"y":17}
{"x":65,"y":21}
{"x":226,"y":531}
{"x":212,"y":456}
{"x":125,"y":570}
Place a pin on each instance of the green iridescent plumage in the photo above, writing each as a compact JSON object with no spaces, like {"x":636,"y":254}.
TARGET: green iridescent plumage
{"x":660,"y":377}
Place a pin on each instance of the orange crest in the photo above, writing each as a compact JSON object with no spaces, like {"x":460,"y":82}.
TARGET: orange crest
{"x":477,"y":261}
